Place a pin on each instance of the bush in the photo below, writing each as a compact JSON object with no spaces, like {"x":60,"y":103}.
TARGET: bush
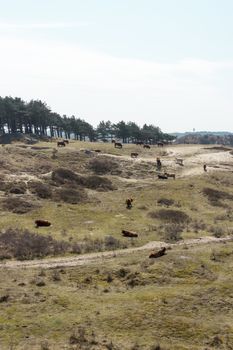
{"x":165,"y":201}
{"x":40,"y":189}
{"x":70,"y":195}
{"x":111,"y":242}
{"x":217,"y":231}
{"x":214,"y":196}
{"x":198,"y":225}
{"x":18,"y":205}
{"x":97,"y":245}
{"x":172,"y":232}
{"x":98,"y":183}
{"x":63,"y":176}
{"x":102,"y":166}
{"x":42,"y":167}
{"x":24,"y":245}
{"x":18,"y":188}
{"x":169,"y":215}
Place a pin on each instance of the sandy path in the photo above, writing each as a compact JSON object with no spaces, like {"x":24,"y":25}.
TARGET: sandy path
{"x":87,"y":259}
{"x":194,"y":157}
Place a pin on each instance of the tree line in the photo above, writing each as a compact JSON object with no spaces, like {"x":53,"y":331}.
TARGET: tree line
{"x":35,"y":117}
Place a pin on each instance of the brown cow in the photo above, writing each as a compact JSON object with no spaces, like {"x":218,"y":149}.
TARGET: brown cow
{"x":97,"y":150}
{"x":134,"y":155}
{"x":42,"y":223}
{"x":128,"y":203}
{"x":118,"y":145}
{"x":129,"y":234}
{"x":61,"y":144}
{"x":146,"y":146}
{"x":158,"y":254}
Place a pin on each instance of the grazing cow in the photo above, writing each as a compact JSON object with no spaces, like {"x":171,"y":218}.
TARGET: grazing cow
{"x":173,"y":175}
{"x":179,"y":161}
{"x":146,"y":146}
{"x":61,"y":144}
{"x":128,"y":203}
{"x":162,"y":177}
{"x":97,"y":150}
{"x":205,"y":167}
{"x":158,"y":254}
{"x":134,"y":155}
{"x":66,"y":141}
{"x":129,"y":234}
{"x":160,"y":144}
{"x":118,"y":145}
{"x":42,"y":223}
{"x":158,"y":162}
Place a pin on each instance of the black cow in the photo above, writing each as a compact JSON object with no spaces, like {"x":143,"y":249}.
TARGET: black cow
{"x":61,"y":144}
{"x":118,"y":145}
{"x":42,"y":223}
{"x":162,"y":177}
{"x":134,"y":155}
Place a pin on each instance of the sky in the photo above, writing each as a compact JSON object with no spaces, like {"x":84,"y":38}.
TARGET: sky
{"x":163,"y":62}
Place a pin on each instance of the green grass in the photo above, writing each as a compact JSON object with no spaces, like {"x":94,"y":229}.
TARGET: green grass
{"x":181,"y":301}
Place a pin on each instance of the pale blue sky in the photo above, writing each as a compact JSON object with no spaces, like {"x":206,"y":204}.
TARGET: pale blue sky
{"x":167,"y":62}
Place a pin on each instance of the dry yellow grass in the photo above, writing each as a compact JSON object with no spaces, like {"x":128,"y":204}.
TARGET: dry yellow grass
{"x":181,"y":301}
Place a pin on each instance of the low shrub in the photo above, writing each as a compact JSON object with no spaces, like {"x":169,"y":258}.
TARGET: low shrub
{"x":18,"y":205}
{"x":24,"y":245}
{"x":18,"y":188}
{"x":98,"y":183}
{"x":63,"y":176}
{"x":165,"y":201}
{"x":217,"y":231}
{"x":40,"y":189}
{"x":172,"y":232}
{"x":198,"y":225}
{"x":170,"y":215}
{"x":102,"y":166}
{"x":97,"y":245}
{"x":70,"y":195}
{"x":215,"y":196}
{"x":42,"y":167}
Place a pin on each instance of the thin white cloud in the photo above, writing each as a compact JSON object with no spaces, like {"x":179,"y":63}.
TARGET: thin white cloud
{"x":49,"y":25}
{"x":176,"y":96}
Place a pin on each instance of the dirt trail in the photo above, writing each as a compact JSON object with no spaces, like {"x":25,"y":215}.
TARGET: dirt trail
{"x":87,"y":259}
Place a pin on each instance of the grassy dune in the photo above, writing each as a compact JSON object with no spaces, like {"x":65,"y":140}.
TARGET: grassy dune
{"x":181,"y":301}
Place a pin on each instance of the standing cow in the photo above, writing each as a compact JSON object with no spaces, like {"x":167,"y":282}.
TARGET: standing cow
{"x":118,"y":145}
